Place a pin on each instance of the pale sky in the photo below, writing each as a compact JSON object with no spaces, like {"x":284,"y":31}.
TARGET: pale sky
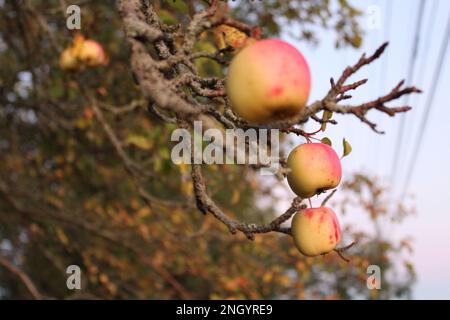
{"x":374,"y":153}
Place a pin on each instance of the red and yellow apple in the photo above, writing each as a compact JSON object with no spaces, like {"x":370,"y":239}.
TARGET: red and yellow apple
{"x":92,"y":53}
{"x":82,"y":52}
{"x":313,"y":168}
{"x":268,"y":81}
{"x":68,"y":59}
{"x":315,"y":231}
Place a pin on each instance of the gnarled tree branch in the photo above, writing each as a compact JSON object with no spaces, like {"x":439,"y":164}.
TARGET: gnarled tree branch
{"x":164,"y":80}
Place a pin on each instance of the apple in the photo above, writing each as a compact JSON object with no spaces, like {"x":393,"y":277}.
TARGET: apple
{"x":68,"y":59}
{"x":92,"y":53}
{"x":268,"y":81}
{"x":314,"y":168}
{"x":82,"y":52}
{"x":315,"y":231}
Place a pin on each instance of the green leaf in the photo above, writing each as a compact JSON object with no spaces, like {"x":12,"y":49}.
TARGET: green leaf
{"x":205,"y":66}
{"x":164,"y":153}
{"x":325,"y":117}
{"x":139,"y":141}
{"x":326,"y":140}
{"x":56,"y":91}
{"x":179,"y":5}
{"x":167,"y":17}
{"x":356,"y":41}
{"x":347,"y":148}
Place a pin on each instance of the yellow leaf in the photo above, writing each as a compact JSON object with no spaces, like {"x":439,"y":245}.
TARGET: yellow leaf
{"x":145,"y":232}
{"x":186,"y":188}
{"x":176,"y":217}
{"x":284,"y":280}
{"x":112,"y":288}
{"x":81,"y":123}
{"x":62,"y":236}
{"x":138,"y":141}
{"x":220,"y":40}
{"x":267,"y":277}
{"x":325,"y":117}
{"x":300,"y":266}
{"x":326,"y":140}
{"x":143,"y":212}
{"x":347,"y":148}
{"x":184,"y":168}
{"x":235,"y":197}
{"x":54,"y":202}
{"x":229,"y":36}
{"x":103,"y":278}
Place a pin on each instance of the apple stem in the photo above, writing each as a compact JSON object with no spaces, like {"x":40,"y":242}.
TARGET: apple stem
{"x":339,"y":251}
{"x":342,"y":256}
{"x":324,"y":202}
{"x":317,"y":139}
{"x":312,"y":133}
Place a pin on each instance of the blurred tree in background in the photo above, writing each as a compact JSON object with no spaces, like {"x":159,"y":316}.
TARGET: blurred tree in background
{"x":66,"y":196}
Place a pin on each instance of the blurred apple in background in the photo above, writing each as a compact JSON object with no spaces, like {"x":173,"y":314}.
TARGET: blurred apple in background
{"x":68,"y":59}
{"x":92,"y":53}
{"x":82,"y":52}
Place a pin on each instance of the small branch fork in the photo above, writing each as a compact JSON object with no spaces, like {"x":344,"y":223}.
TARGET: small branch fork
{"x":176,"y":93}
{"x":207,"y":205}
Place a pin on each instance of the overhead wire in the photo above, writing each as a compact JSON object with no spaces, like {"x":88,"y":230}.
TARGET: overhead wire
{"x":384,"y":68}
{"x":429,"y":107}
{"x":409,"y":78}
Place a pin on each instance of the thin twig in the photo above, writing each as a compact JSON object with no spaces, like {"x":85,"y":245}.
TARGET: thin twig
{"x":324,"y":202}
{"x":24,"y":278}
{"x":340,"y":251}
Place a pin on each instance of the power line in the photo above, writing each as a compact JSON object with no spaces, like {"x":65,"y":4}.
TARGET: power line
{"x":429,"y":106}
{"x":388,"y":14}
{"x":424,"y":55}
{"x":383,"y":66}
{"x":411,"y":68}
{"x":429,"y":31}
